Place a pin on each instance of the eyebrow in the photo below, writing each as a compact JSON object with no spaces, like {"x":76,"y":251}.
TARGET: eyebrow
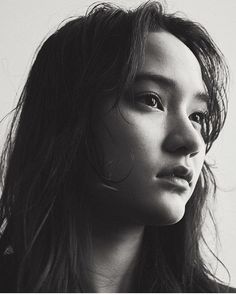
{"x":167,"y":82}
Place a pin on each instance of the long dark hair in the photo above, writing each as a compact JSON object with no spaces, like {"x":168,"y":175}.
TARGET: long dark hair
{"x":51,"y":144}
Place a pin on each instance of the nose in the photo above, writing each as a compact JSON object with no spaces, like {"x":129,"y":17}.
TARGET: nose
{"x":183,"y":138}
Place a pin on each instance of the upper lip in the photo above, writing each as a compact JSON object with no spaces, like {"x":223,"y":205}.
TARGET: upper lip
{"x":177,"y":171}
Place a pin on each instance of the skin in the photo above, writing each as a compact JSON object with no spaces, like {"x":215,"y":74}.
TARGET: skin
{"x":157,"y":136}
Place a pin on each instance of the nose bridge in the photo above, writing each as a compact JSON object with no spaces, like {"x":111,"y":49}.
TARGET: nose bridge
{"x":182,"y":137}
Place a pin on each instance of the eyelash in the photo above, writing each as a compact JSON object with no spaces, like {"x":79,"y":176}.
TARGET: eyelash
{"x":153,"y":98}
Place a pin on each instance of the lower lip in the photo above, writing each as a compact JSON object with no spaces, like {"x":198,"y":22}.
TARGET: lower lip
{"x":177,"y":182}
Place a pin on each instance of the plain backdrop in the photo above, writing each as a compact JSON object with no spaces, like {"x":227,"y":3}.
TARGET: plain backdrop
{"x":25,"y":23}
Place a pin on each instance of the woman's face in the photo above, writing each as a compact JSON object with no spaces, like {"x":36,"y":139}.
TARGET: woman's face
{"x":154,"y":143}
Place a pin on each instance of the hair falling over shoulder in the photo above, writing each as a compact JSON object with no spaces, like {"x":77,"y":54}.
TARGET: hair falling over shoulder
{"x":51,"y":143}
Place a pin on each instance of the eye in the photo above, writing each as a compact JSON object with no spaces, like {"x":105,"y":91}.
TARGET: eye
{"x":150,"y":99}
{"x":198,"y":117}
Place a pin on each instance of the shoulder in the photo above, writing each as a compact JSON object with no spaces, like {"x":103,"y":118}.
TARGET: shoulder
{"x":226,"y":289}
{"x":208,"y":285}
{"x":223,"y":288}
{"x":8,"y":272}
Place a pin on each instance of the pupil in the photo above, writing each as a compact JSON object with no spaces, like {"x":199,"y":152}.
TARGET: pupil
{"x":151,"y":101}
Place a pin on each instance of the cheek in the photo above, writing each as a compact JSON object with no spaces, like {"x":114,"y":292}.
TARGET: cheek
{"x":130,"y":141}
{"x":198,"y":163}
{"x":200,"y":158}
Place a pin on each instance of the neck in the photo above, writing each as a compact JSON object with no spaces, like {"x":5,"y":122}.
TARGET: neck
{"x":115,"y":251}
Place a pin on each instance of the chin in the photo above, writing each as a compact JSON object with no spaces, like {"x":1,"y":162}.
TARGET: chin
{"x":171,"y":217}
{"x":166,"y":210}
{"x":167,"y":217}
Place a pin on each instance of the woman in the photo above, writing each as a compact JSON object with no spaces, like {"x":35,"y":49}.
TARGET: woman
{"x":104,"y":172}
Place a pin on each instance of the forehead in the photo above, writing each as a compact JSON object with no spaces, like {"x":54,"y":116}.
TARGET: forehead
{"x":167,"y":56}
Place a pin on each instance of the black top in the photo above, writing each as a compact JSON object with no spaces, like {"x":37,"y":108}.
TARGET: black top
{"x":8,"y":276}
{"x":8,"y":273}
